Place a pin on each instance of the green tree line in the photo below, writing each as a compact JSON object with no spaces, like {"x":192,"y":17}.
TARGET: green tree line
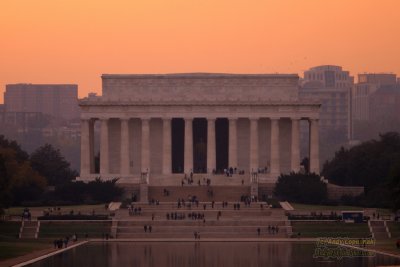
{"x":374,"y":164}
{"x":45,"y":177}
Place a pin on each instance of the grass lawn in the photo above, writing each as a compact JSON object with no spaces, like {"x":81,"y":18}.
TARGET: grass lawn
{"x":9,"y":229}
{"x":330,"y":229}
{"x":61,"y":229}
{"x":394,"y":228}
{"x":19,"y":247}
{"x":298,"y":206}
{"x":84,"y":209}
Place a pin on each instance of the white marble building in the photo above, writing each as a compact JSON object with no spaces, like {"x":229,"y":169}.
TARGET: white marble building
{"x":157,"y":124}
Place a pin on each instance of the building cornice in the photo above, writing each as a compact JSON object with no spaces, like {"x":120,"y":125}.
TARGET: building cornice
{"x":85,"y":102}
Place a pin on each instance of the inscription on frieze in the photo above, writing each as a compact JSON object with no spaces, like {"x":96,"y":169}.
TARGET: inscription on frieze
{"x":195,"y":87}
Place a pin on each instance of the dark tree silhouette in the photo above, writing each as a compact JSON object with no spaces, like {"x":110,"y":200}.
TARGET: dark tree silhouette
{"x":371,"y":164}
{"x":302,"y":188}
{"x":49,"y":163}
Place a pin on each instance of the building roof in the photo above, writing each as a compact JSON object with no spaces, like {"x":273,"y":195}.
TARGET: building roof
{"x":326,"y":67}
{"x":198,"y":75}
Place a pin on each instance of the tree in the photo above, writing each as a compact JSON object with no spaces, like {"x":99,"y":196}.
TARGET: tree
{"x":367,"y":164}
{"x":394,"y":185}
{"x":370,"y":164}
{"x":49,"y":163}
{"x":18,"y":181}
{"x":20,"y":155}
{"x":96,"y":191}
{"x":5,"y":194}
{"x":302,"y":188}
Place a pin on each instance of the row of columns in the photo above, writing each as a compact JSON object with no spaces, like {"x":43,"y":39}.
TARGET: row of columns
{"x":87,"y":161}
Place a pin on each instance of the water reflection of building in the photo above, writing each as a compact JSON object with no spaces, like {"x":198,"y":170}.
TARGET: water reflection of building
{"x":219,"y":254}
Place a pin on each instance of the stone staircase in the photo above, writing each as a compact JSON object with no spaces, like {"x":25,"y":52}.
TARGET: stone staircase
{"x":29,"y":229}
{"x":219,"y":193}
{"x":378,"y":229}
{"x":232,"y":223}
{"x":265,"y":190}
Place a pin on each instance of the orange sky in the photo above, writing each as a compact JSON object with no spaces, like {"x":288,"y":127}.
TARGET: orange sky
{"x":75,"y":41}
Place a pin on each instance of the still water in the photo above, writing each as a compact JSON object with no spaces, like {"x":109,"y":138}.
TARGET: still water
{"x":209,"y":254}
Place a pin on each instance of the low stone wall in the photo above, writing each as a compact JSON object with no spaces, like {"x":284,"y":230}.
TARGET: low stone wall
{"x":335,"y":192}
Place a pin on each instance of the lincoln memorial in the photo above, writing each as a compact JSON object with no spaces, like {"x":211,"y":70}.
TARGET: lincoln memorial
{"x":153,"y":126}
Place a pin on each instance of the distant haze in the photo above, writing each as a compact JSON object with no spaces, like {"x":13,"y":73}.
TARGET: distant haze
{"x":76,"y":41}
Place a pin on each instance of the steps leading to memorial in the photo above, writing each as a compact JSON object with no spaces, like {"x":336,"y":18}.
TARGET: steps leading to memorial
{"x":219,"y":193}
{"x":378,"y":229}
{"x":29,"y":229}
{"x":231,"y":223}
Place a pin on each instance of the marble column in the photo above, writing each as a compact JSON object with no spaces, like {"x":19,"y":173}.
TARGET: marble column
{"x":253,"y":144}
{"x":275,"y":157}
{"x":124,"y":158}
{"x":145,"y":145}
{"x":232,"y":155}
{"x":211,"y":149}
{"x":85,"y":148}
{"x":295,"y":155}
{"x":314,"y":146}
{"x":104,"y":151}
{"x":188,"y":153}
{"x":167,"y":147}
{"x":91,"y":145}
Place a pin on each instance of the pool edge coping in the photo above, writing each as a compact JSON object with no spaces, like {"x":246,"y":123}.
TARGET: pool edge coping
{"x":25,"y":263}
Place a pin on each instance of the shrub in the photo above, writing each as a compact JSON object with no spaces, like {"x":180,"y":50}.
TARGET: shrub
{"x":302,"y":188}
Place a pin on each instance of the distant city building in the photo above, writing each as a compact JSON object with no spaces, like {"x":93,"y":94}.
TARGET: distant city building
{"x":2,"y":113}
{"x":36,"y":114}
{"x":60,"y":101}
{"x":367,"y":97}
{"x":384,"y":104}
{"x":377,"y":78}
{"x":331,"y":86}
{"x":367,"y":84}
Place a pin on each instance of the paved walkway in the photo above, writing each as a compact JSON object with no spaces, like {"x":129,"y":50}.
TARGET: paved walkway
{"x":37,"y":256}
{"x":286,"y":205}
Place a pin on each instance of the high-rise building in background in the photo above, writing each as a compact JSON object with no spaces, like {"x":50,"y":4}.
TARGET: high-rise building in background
{"x":331,"y":85}
{"x":60,"y":101}
{"x":367,"y":84}
{"x":36,"y":114}
{"x":372,"y":99}
{"x":384,"y":104}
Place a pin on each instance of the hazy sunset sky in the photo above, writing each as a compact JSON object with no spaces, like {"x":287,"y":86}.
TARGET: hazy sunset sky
{"x":75,"y":41}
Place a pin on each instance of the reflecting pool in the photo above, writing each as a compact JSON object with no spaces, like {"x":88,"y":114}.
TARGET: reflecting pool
{"x":209,"y":254}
